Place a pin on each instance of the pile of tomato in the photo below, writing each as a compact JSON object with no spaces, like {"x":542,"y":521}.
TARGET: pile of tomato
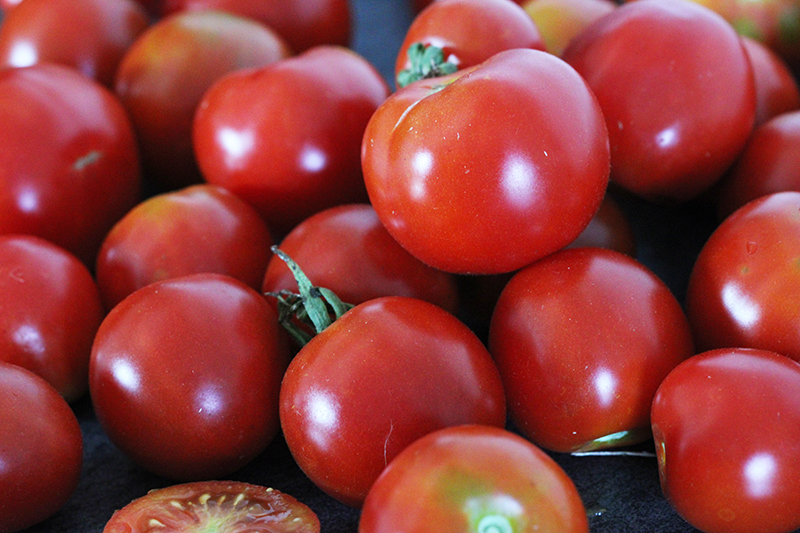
{"x":222,"y":228}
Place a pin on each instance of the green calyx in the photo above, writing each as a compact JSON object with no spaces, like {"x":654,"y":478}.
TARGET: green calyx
{"x":426,"y":61}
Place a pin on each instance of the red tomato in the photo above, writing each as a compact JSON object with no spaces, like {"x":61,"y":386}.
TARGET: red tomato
{"x":7,"y":5}
{"x":347,"y":250}
{"x":743,"y":289}
{"x":90,"y":35}
{"x":419,"y":5}
{"x":677,"y":91}
{"x":725,"y":424}
{"x":41,"y":449}
{"x":491,"y":168}
{"x":69,"y":166}
{"x":582,"y":340}
{"x":609,"y":228}
{"x":51,"y":314}
{"x":185,"y":376}
{"x":303,"y":23}
{"x":320,"y":102}
{"x":769,"y":163}
{"x":165,"y":73}
{"x":561,"y":20}
{"x":473,"y":478}
{"x":387,"y":372}
{"x":469,"y":31}
{"x":215,"y":506}
{"x":777,"y":91}
{"x":202,"y":228}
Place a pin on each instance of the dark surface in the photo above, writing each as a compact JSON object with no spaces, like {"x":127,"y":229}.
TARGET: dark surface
{"x":623,"y":490}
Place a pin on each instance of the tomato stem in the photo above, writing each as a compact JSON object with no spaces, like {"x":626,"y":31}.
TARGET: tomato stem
{"x":425,"y":61}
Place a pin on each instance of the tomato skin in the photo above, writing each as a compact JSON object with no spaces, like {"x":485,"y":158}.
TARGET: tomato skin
{"x":346,"y":249}
{"x":470,"y":31}
{"x":609,"y":228}
{"x":463,"y":478}
{"x":743,"y":289}
{"x":320,"y":101}
{"x":734,"y":469}
{"x":94,"y":41}
{"x":224,"y":505}
{"x":559,"y":21}
{"x":194,"y":392}
{"x":69,"y":166}
{"x":777,"y":91}
{"x":582,"y":339}
{"x":201,"y":228}
{"x":41,"y":449}
{"x":677,"y":91}
{"x":164,"y":74}
{"x":516,"y":170}
{"x":54,"y":313}
{"x":387,"y":372}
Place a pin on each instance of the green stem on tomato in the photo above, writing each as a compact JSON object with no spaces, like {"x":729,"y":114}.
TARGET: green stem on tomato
{"x":425,"y":61}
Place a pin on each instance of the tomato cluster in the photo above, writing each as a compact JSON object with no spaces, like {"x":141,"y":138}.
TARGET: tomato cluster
{"x":415,"y":288}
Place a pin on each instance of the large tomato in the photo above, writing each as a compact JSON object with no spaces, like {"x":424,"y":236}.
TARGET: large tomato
{"x":201,"y":228}
{"x":582,"y":339}
{"x":387,"y":372}
{"x":50,"y":312}
{"x":473,"y":478}
{"x":185,"y":376}
{"x":777,"y":91}
{"x":165,"y":73}
{"x":725,"y":425}
{"x":41,"y":449}
{"x":320,"y":102}
{"x":90,"y":35}
{"x":677,"y":91}
{"x":743,"y":289}
{"x":490,"y":168}
{"x":69,"y":166}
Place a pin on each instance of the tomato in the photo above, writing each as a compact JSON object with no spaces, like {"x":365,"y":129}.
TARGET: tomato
{"x":387,"y":372}
{"x":41,"y":449}
{"x":743,"y":289}
{"x":677,"y":91}
{"x":201,"y":228}
{"x":469,"y":32}
{"x":473,"y":478}
{"x":185,"y":375}
{"x":347,"y":250}
{"x":93,"y":41}
{"x":609,"y":228}
{"x":7,"y":5}
{"x":51,"y":313}
{"x":69,"y":166}
{"x":320,"y":102}
{"x":165,"y":73}
{"x":215,"y":506}
{"x":777,"y":91}
{"x":303,"y":23}
{"x":491,"y":168}
{"x":582,"y":340}
{"x":725,"y":424}
{"x":561,"y":20}
{"x":419,"y":5}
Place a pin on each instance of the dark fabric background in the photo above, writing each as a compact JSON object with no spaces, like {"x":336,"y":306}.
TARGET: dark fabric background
{"x":623,"y":491}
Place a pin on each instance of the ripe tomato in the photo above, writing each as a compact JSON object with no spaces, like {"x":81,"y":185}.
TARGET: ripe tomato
{"x":468,"y":32}
{"x":561,"y":20}
{"x":777,"y":91}
{"x":473,"y":478}
{"x":51,"y":312}
{"x":320,"y":102}
{"x":491,"y":168}
{"x":725,"y":424}
{"x":41,"y":449}
{"x":165,"y":73}
{"x":69,"y":166}
{"x":677,"y":91}
{"x":582,"y":340}
{"x":609,"y":228}
{"x":93,"y":41}
{"x":303,"y":23}
{"x":387,"y":372}
{"x":743,"y":289}
{"x":215,"y":506}
{"x":347,"y":250}
{"x":185,"y":375}
{"x":201,"y":228}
